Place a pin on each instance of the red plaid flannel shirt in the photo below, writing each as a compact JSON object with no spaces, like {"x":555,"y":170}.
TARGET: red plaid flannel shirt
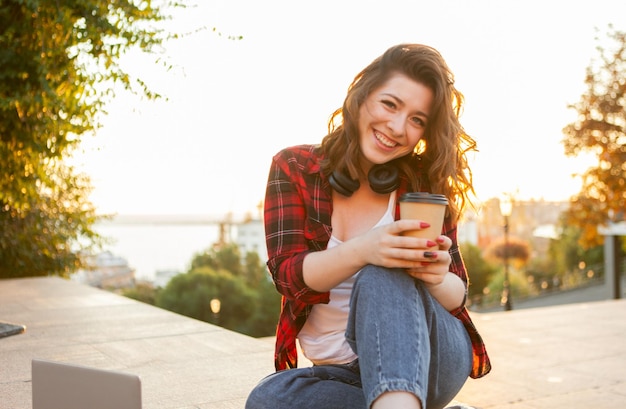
{"x":298,"y":208}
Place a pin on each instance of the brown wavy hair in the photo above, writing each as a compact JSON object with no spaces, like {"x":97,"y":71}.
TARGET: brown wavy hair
{"x":444,"y":147}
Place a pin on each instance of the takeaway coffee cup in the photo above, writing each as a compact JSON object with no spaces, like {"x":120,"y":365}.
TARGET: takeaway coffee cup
{"x":427,"y":207}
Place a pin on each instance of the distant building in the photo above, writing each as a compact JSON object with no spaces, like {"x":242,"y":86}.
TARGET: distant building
{"x":468,"y":228}
{"x":105,"y":270}
{"x":534,"y":221}
{"x":251,"y":238}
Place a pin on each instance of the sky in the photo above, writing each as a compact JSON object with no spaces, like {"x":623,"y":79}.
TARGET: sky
{"x":232,"y":104}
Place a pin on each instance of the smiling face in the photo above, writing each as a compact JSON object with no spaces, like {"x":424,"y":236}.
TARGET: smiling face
{"x":393,"y":119}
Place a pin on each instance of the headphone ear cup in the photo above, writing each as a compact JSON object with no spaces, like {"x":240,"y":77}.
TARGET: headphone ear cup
{"x":383,"y":178}
{"x":343,"y":184}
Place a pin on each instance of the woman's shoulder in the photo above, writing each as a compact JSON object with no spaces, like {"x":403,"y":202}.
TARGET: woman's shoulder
{"x":302,"y":154}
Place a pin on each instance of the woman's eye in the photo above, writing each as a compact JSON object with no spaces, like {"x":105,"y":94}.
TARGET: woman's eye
{"x":389,"y":104}
{"x":418,"y":121}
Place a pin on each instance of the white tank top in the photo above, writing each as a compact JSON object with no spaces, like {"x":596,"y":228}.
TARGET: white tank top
{"x":322,"y":338}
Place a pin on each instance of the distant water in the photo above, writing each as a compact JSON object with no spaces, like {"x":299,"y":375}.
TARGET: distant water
{"x":149,"y":248}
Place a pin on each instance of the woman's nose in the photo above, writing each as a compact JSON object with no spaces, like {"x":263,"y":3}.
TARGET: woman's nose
{"x":396,"y":124}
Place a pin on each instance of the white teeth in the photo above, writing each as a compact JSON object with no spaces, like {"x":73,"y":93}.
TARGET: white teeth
{"x":384,"y":140}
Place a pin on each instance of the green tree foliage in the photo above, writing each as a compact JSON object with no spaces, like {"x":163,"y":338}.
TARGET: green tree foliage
{"x":59,"y":66}
{"x":143,"y":292}
{"x":267,"y":303}
{"x":226,"y":257}
{"x":249,"y":301}
{"x":569,"y":256}
{"x":254,"y":274}
{"x":519,"y":289}
{"x":566,"y":253}
{"x":255,"y":271}
{"x":600,"y":129}
{"x":190,"y":294}
{"x":267,"y":309}
{"x":542,"y":272}
{"x":480,"y":271}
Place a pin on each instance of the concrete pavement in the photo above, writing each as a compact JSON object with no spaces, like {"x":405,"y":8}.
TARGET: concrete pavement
{"x":183,"y":363}
{"x":568,"y":356}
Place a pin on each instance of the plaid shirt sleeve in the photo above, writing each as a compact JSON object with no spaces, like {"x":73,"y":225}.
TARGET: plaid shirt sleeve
{"x":290,"y":232}
{"x":297,"y":222}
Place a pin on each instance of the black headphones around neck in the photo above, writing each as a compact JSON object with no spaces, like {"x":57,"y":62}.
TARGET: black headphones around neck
{"x":382,"y":179}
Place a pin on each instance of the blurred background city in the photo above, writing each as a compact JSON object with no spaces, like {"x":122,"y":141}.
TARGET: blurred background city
{"x":176,"y":183}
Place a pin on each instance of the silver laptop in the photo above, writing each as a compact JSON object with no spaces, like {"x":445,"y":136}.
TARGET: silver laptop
{"x":59,"y":385}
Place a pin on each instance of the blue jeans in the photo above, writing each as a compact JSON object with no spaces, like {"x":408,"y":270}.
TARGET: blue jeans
{"x":405,"y":341}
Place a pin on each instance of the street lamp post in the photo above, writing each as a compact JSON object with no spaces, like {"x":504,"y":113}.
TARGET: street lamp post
{"x":506,"y":207}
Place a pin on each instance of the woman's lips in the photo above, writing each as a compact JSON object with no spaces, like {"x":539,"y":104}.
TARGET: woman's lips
{"x":386,"y":142}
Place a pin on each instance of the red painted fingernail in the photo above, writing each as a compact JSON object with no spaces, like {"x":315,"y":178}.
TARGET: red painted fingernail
{"x":440,"y":240}
{"x":425,"y":264}
{"x":424,"y":225}
{"x":430,"y":243}
{"x":430,"y":254}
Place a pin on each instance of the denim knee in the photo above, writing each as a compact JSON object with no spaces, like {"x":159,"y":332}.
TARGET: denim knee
{"x":309,"y":388}
{"x":261,"y":395}
{"x":382,"y":280}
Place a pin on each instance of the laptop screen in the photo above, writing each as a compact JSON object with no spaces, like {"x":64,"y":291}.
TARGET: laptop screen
{"x":59,"y":385}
